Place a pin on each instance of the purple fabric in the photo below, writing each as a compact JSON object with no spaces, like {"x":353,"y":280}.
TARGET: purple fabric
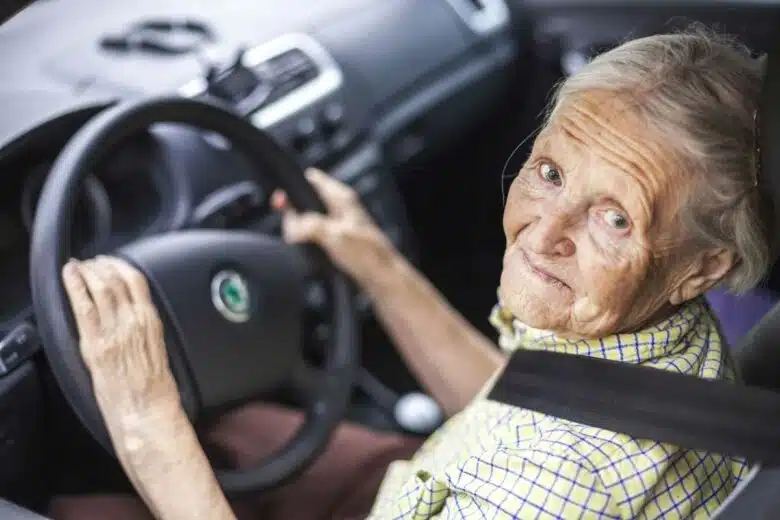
{"x":738,"y":314}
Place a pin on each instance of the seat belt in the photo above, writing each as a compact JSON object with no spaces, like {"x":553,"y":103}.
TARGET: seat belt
{"x":646,"y":403}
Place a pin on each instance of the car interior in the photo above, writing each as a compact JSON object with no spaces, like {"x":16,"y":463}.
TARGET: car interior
{"x":157,"y":127}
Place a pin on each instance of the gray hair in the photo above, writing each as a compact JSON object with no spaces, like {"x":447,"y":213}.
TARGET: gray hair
{"x":699,"y":90}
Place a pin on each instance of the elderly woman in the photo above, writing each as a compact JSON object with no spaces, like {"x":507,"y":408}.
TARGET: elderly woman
{"x":638,"y":197}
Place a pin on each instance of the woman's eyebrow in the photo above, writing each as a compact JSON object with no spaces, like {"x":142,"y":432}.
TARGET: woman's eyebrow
{"x":553,"y":144}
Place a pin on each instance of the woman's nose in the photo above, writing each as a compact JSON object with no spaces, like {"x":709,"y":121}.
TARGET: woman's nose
{"x":550,"y":235}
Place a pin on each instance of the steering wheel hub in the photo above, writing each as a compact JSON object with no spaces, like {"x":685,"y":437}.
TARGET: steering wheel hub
{"x":237,"y":342}
{"x":231,"y":296}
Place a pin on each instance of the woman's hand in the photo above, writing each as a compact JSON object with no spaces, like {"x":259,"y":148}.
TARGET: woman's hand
{"x":121,"y":338}
{"x":449,"y":356}
{"x":123,"y":346}
{"x":347,"y":233}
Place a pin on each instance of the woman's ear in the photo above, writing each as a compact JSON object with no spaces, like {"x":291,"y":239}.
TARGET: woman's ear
{"x":702,"y":274}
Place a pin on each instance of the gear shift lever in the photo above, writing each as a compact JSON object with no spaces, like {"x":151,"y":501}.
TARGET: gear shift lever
{"x":414,"y":412}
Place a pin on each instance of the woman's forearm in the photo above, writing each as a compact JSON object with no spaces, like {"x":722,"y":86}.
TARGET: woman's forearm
{"x":450,"y":357}
{"x":166,"y":463}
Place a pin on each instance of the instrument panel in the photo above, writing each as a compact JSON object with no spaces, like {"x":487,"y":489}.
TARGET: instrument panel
{"x":119,"y":202}
{"x":17,"y":211}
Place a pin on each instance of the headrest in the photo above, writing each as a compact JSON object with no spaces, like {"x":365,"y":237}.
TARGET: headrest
{"x":759,"y":355}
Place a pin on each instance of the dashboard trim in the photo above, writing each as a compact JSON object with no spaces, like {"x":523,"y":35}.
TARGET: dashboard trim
{"x":329,"y":80}
{"x":493,"y":16}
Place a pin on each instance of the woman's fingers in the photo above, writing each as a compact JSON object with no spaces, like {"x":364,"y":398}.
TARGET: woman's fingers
{"x":121,"y":335}
{"x":337,"y":196}
{"x":99,"y":289}
{"x":279,"y":201}
{"x":340,"y":199}
{"x":347,"y":232}
{"x":84,"y":310}
{"x":298,"y":228}
{"x":133,"y":279}
{"x":111,"y":277}
{"x":141,"y":297}
{"x":101,"y":292}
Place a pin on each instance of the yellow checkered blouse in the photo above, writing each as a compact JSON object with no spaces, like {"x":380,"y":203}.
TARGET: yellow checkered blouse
{"x":496,"y":461}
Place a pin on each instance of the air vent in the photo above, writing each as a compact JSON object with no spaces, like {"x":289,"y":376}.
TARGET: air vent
{"x":482,"y":16}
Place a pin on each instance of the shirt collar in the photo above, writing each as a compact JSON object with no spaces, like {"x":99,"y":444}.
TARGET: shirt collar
{"x":663,"y":339}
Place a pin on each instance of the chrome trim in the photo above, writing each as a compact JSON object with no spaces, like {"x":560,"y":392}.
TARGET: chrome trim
{"x":493,"y":16}
{"x":738,"y":490}
{"x":193,"y":88}
{"x":328,"y":81}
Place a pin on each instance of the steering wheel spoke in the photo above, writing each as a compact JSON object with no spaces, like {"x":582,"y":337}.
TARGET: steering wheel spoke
{"x":307,"y":381}
{"x":315,"y":263}
{"x":269,"y":224}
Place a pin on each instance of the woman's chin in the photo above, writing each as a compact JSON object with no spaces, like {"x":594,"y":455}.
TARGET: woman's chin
{"x":537,"y":311}
{"x":534,"y":302}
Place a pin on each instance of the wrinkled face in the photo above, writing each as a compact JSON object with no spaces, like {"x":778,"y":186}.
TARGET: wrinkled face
{"x":593,"y":243}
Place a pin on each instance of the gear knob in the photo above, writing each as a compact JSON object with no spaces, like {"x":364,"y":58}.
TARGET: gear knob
{"x":417,"y":413}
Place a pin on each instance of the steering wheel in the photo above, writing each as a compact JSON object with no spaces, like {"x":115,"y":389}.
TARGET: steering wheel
{"x":232,"y":301}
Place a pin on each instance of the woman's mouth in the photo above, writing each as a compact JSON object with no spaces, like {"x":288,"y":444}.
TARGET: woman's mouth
{"x":544,"y":275}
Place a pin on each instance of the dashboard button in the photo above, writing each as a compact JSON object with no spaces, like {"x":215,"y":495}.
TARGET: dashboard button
{"x":305,"y":134}
{"x":332,"y":120}
{"x":367,"y":183}
{"x":314,"y":154}
{"x":341,"y":140}
{"x":333,"y":115}
{"x":18,"y":346}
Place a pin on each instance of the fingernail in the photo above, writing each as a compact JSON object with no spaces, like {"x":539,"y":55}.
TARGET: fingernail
{"x":277,"y":199}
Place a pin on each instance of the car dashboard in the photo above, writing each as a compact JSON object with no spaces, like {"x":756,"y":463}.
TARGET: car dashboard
{"x":358,"y":88}
{"x":344,"y":85}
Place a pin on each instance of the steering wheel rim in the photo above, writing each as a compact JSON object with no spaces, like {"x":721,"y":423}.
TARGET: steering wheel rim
{"x":52,"y":309}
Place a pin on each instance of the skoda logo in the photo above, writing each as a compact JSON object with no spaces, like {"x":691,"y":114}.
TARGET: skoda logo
{"x":230,"y":294}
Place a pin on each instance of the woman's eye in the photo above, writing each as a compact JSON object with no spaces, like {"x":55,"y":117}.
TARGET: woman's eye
{"x":616,"y":219}
{"x":550,"y":174}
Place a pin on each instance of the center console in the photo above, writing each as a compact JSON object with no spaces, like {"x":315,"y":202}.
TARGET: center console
{"x":294,"y":89}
